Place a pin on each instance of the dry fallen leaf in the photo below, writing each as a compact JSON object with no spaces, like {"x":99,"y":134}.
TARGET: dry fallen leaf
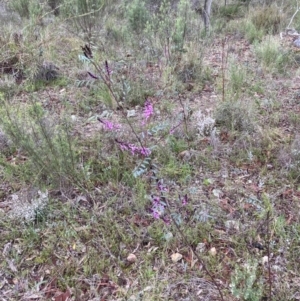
{"x":176,"y":257}
{"x":32,"y":296}
{"x":11,"y":265}
{"x":6,"y":249}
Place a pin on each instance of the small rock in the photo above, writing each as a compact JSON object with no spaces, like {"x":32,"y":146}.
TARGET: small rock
{"x":131,"y":258}
{"x":297,"y":43}
{"x":217,"y":193}
{"x":73,"y":118}
{"x":131,"y":113}
{"x":265,"y":260}
{"x":213,"y":251}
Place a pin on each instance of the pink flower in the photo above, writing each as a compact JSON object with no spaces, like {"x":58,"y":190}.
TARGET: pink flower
{"x":155,"y":214}
{"x":166,"y":220}
{"x":161,"y":186}
{"x":133,"y":148}
{"x":109,"y":125}
{"x":145,"y":151}
{"x":158,"y":207}
{"x":184,"y":200}
{"x":148,"y":110}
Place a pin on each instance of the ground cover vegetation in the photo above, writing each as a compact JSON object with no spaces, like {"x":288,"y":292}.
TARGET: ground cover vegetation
{"x":148,"y":155}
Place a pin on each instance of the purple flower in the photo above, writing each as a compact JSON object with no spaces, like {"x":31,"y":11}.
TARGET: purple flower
{"x":158,"y":207}
{"x":155,"y":214}
{"x":148,"y":110}
{"x":145,"y":151}
{"x":161,"y":187}
{"x":133,"y":148}
{"x":109,"y":125}
{"x":166,"y":220}
{"x":155,"y":200}
{"x":184,"y":200}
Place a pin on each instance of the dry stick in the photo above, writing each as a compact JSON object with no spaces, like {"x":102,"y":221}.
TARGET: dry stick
{"x":85,"y":14}
{"x":223,"y":72}
{"x":206,"y":14}
{"x":168,"y":50}
{"x":269,"y":253}
{"x":185,"y":24}
{"x":224,"y":62}
{"x":211,"y":276}
{"x":294,"y":15}
{"x":185,"y":119}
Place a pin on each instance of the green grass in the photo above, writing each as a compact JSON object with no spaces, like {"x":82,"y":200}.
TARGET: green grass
{"x":86,"y":211}
{"x":273,"y":58}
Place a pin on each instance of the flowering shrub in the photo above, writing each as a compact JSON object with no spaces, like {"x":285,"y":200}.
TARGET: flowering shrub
{"x":158,"y":207}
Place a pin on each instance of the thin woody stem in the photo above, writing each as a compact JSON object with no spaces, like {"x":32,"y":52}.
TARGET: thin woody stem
{"x":107,"y":82}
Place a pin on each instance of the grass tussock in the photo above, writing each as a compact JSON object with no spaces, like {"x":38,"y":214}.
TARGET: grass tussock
{"x":269,"y":19}
{"x":273,"y":57}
